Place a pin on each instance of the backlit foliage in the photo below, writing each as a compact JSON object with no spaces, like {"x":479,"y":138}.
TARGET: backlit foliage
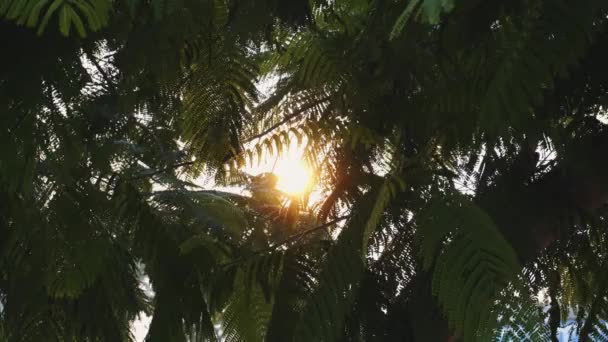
{"x":462,"y":177}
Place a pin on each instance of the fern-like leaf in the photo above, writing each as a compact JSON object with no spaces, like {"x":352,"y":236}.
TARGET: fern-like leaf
{"x":475,"y":265}
{"x":38,"y":13}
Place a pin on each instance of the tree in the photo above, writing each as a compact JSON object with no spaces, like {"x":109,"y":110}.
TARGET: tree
{"x":460,"y":147}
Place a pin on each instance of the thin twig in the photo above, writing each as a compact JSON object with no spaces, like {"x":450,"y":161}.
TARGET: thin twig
{"x":299,"y":235}
{"x":288,"y":240}
{"x":168,"y":168}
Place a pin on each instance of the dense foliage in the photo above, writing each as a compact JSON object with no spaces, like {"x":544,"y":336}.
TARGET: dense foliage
{"x":459,"y":145}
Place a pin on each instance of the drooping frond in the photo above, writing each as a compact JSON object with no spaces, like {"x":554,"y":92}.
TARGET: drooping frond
{"x":83,"y":15}
{"x":428,"y":11}
{"x":205,"y":208}
{"x":473,"y":267}
{"x":297,"y":280}
{"x":527,"y":63}
{"x":246,"y":315}
{"x":218,"y":97}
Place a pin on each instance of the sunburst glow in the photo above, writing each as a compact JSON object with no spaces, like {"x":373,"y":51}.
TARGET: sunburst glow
{"x":295,"y":177}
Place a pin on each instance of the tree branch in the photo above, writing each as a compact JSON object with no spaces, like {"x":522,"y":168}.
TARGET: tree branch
{"x":103,"y":73}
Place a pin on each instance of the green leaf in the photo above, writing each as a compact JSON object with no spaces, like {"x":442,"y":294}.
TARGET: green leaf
{"x":403,"y":18}
{"x":78,"y":24}
{"x":65,"y":18}
{"x":35,"y":13}
{"x":475,"y":265}
{"x":47,"y":16}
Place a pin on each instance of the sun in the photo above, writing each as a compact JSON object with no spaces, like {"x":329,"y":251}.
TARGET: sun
{"x":295,"y":177}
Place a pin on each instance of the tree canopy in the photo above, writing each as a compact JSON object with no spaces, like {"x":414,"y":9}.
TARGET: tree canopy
{"x":460,"y":147}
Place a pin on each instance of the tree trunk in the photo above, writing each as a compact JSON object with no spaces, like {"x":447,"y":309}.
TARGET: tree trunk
{"x":534,"y":217}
